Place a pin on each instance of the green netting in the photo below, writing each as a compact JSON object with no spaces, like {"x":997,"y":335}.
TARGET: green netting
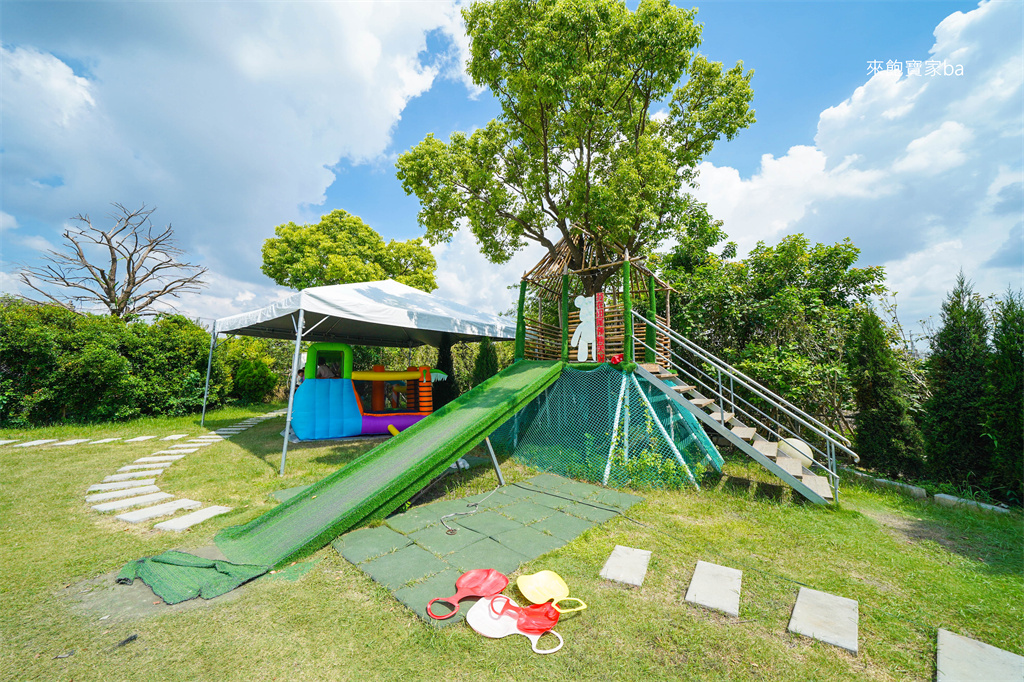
{"x":609,"y":427}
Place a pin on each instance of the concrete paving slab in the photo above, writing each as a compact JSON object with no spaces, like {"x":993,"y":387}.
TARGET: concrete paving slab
{"x":716,"y":587}
{"x":139,"y":439}
{"x":627,"y":565}
{"x":121,"y":485}
{"x":31,"y":443}
{"x":168,"y":452}
{"x":101,"y":441}
{"x":6,"y":442}
{"x":188,"y":520}
{"x":131,"y":475}
{"x":175,"y":436}
{"x":962,"y":659}
{"x":161,"y":458}
{"x":826,"y":617}
{"x":129,"y":502}
{"x":181,"y":451}
{"x":192,"y":444}
{"x":116,"y":494}
{"x":165,"y":509}
{"x":73,"y":441}
{"x":139,"y":467}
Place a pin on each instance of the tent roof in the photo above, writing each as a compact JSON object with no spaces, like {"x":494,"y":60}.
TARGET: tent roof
{"x":384,"y":313}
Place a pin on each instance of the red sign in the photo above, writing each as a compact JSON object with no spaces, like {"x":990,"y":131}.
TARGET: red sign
{"x":599,"y":326}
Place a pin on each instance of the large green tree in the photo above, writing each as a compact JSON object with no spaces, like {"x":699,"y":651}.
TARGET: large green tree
{"x":955,"y":444}
{"x":605,"y":114}
{"x":341,"y":249}
{"x":1004,"y":424}
{"x":887,"y":438}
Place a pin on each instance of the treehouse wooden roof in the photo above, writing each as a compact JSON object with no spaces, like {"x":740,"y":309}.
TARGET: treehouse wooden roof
{"x":546,"y":273}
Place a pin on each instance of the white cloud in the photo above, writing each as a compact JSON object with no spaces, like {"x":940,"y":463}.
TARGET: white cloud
{"x":465,"y":276}
{"x":7,"y":222}
{"x":923,"y":173}
{"x":225,"y":116}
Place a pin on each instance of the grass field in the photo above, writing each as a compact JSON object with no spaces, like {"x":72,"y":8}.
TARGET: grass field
{"x":912,"y":566}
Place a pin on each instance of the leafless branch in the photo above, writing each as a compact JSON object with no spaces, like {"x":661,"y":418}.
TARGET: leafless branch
{"x":139,"y":266}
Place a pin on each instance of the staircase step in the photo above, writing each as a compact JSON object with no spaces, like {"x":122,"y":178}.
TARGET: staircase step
{"x":790,"y":465}
{"x":818,"y":484}
{"x":767,"y":448}
{"x":702,"y":402}
{"x":719,"y":417}
{"x":684,"y":388}
{"x":744,"y":432}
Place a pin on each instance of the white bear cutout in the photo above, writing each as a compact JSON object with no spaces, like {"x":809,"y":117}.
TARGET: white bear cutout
{"x":585,"y":336}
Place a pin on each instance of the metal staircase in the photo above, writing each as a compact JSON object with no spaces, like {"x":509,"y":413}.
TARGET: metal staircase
{"x":746,"y":414}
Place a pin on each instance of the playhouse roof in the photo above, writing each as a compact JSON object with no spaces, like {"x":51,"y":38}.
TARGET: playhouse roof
{"x":385,"y":313}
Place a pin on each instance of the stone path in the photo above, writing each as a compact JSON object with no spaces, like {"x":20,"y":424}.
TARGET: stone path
{"x":962,"y":659}
{"x":716,"y":587}
{"x":627,"y":565}
{"x":134,"y":484}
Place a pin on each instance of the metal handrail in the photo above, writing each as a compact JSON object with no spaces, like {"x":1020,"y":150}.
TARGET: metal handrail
{"x":829,"y":470}
{"x":794,"y":412}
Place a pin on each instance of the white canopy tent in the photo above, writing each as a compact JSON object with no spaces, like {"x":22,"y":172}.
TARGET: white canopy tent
{"x":385,"y":313}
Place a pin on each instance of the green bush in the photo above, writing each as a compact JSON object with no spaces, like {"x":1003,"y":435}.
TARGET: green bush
{"x":254,"y":381}
{"x":59,"y":366}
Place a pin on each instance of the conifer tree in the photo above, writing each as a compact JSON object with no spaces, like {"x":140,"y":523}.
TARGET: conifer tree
{"x":486,"y":365}
{"x":1005,"y":421}
{"x":887,"y":437}
{"x":956,"y":448}
{"x":448,"y":390}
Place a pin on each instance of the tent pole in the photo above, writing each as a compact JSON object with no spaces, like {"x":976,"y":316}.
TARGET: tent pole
{"x":291,"y":389}
{"x":209,"y":364}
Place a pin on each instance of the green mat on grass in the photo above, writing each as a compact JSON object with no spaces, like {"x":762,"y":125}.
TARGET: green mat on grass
{"x":176,"y":576}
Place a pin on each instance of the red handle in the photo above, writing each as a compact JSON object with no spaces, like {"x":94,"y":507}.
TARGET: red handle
{"x":447,"y":601}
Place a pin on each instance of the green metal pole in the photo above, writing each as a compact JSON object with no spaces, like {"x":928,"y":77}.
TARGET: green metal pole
{"x":565,"y":318}
{"x":521,"y":323}
{"x":627,"y":312}
{"x":651,"y":336}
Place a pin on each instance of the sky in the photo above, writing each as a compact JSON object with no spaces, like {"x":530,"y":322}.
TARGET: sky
{"x":233,"y":117}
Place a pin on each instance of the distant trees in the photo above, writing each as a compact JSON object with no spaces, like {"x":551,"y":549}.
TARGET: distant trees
{"x":1004,"y":424}
{"x":486,"y":365}
{"x":341,"y":249}
{"x":956,"y":446}
{"x":887,"y":438}
{"x":126,"y":269}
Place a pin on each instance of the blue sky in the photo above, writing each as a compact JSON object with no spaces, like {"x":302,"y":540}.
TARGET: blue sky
{"x":232,"y":118}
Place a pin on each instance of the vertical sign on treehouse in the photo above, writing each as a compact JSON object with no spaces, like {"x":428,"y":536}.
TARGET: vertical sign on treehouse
{"x":599,"y":326}
{"x":585,"y":335}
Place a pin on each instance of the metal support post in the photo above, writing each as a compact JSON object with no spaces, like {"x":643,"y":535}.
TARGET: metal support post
{"x":291,"y":390}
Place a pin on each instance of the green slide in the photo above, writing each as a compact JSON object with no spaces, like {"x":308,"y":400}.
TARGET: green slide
{"x":383,"y":479}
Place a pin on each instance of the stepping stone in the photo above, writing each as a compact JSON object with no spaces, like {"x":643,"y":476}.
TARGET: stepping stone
{"x":139,"y":439}
{"x":962,"y":659}
{"x":627,"y":565}
{"x":75,"y":441}
{"x":155,"y":465}
{"x":103,"y":440}
{"x":826,"y":617}
{"x":121,"y":485}
{"x":161,"y":458}
{"x":170,"y":452}
{"x":5,"y":442}
{"x":129,"y":502}
{"x":134,"y":474}
{"x":35,"y":442}
{"x":716,"y":587}
{"x":184,"y":450}
{"x":165,"y":509}
{"x":193,"y":445}
{"x":188,"y":520}
{"x":127,"y":492}
{"x":175,"y":436}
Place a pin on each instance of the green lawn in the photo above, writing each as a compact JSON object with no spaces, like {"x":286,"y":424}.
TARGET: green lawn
{"x":912,"y":566}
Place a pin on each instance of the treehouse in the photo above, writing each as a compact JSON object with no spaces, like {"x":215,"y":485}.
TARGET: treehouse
{"x":551,"y":300}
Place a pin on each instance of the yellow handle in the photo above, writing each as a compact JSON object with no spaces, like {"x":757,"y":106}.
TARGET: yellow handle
{"x":578,"y":608}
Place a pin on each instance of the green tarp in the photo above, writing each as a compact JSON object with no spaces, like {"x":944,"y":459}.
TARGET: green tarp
{"x":176,"y":576}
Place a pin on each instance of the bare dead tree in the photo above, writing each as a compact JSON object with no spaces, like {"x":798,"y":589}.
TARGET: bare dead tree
{"x":143,"y":266}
